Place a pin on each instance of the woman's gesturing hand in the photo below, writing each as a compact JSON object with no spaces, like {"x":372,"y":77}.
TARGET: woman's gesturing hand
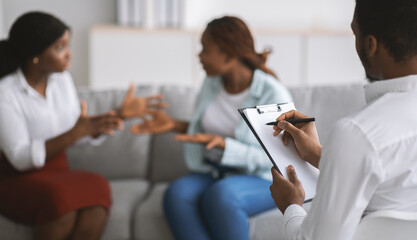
{"x":98,"y":124}
{"x":157,"y":122}
{"x":139,"y":106}
{"x":210,"y":140}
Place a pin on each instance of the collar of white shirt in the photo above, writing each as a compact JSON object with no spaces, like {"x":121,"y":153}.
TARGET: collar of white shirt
{"x":25,"y":87}
{"x":377,"y":89}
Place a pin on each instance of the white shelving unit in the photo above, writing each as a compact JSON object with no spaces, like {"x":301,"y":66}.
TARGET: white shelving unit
{"x":120,"y":55}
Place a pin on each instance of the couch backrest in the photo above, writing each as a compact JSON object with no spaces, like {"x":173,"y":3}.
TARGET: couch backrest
{"x":166,"y":153}
{"x":328,"y":104}
{"x":160,"y":157}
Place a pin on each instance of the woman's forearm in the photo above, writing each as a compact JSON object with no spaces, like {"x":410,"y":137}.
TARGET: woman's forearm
{"x":58,"y":144}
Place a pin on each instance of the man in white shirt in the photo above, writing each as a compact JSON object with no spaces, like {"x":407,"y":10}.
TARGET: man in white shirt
{"x":370,"y":161}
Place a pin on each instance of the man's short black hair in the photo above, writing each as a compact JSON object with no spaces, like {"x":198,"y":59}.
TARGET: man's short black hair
{"x":392,"y":22}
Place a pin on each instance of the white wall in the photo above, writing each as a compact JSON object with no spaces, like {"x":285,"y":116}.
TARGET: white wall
{"x":147,"y":57}
{"x":81,"y":15}
{"x":170,"y":56}
{"x":283,"y":14}
{"x":2,"y":27}
{"x":276,"y":15}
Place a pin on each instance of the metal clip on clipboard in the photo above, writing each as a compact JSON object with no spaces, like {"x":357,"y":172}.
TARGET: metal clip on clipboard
{"x":268,"y":108}
{"x":275,"y":108}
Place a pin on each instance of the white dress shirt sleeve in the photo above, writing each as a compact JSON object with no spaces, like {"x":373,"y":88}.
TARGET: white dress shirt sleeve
{"x":293,"y":218}
{"x":349,"y":175}
{"x":22,"y":152}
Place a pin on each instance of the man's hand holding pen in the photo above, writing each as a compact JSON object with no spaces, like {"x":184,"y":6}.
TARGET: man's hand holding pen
{"x":304,"y":135}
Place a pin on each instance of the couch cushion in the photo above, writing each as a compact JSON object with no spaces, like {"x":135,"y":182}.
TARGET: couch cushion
{"x":328,"y":104}
{"x":166,"y":153}
{"x":126,"y":194}
{"x":120,"y":156}
{"x":149,"y":219}
{"x":14,"y":231}
{"x":267,"y":226}
{"x":168,"y":158}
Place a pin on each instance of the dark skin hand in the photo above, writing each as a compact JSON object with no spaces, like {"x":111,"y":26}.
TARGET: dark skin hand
{"x":157,"y":122}
{"x":210,"y":140}
{"x":286,"y":192}
{"x":161,"y":122}
{"x":139,"y":106}
{"x":304,"y":135}
{"x":85,"y":126}
{"x":96,"y":124}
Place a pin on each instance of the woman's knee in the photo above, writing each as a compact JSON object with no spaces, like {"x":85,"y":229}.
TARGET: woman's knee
{"x":188,"y":188}
{"x":67,"y":222}
{"x":97,"y":213}
{"x":60,"y":228}
{"x":175,"y":193}
{"x":91,"y":221}
{"x":220,"y":195}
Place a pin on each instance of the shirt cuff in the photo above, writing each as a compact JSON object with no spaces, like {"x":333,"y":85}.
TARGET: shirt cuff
{"x":38,"y":153}
{"x":293,"y":218}
{"x":97,"y":141}
{"x":232,"y":150}
{"x":90,"y":140}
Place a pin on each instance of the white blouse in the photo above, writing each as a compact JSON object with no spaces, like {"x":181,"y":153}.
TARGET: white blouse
{"x":221,"y":116}
{"x":28,"y":120}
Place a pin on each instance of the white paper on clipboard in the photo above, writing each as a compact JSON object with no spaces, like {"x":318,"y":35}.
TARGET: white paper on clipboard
{"x":279,"y":154}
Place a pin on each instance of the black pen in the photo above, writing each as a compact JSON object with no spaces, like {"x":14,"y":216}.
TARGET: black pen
{"x":295,"y":121}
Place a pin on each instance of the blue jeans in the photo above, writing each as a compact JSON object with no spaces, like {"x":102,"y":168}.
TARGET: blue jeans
{"x":197,"y":206}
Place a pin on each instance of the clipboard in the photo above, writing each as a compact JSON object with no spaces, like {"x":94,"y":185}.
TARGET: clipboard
{"x":280,"y":155}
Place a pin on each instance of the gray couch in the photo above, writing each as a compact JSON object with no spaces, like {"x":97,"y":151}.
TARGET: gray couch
{"x":140,"y":168}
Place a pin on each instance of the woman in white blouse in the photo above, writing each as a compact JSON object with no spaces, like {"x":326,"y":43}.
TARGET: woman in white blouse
{"x":40,"y":117}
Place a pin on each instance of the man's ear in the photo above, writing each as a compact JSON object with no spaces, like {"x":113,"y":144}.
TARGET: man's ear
{"x":372,"y":45}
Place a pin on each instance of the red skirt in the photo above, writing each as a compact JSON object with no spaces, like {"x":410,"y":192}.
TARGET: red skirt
{"x":40,"y":196}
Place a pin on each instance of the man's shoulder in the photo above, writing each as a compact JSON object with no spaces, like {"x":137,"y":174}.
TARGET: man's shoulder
{"x":387,"y":119}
